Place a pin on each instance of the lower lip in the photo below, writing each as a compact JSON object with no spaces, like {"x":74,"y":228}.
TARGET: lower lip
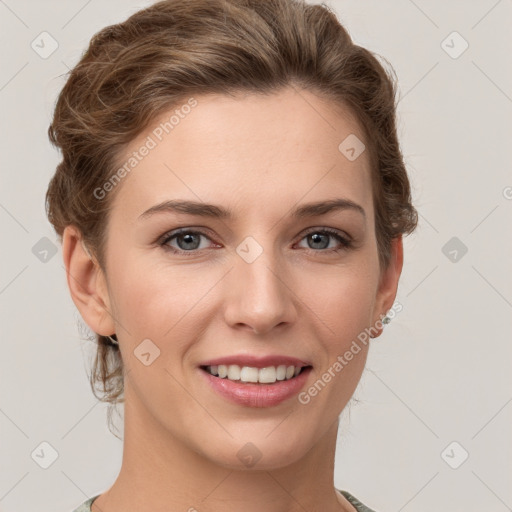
{"x":257,"y":395}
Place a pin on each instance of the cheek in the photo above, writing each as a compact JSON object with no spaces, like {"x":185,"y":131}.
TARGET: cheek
{"x":342,"y":307}
{"x":159,"y":301}
{"x":155,"y":304}
{"x":342,"y":299}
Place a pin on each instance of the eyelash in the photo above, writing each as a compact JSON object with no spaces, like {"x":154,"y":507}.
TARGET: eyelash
{"x":346,"y":243}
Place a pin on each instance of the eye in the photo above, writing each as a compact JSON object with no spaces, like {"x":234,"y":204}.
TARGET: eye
{"x":187,"y":240}
{"x":320,"y":240}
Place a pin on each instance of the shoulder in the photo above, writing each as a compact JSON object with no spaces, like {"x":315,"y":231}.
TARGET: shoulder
{"x":360,"y":507}
{"x":86,"y":505}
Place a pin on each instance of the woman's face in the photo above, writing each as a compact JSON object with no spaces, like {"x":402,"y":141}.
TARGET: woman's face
{"x":262,"y":282}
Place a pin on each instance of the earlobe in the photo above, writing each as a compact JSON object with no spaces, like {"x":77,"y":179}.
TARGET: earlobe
{"x":86,"y":283}
{"x":388,"y":284}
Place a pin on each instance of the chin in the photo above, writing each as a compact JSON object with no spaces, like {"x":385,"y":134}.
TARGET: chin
{"x":257,"y":453}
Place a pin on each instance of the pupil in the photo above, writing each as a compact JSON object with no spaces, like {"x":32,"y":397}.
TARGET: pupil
{"x":316,"y":237}
{"x":187,"y":239}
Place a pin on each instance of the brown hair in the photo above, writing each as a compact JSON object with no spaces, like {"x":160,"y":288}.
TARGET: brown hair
{"x":136,"y":70}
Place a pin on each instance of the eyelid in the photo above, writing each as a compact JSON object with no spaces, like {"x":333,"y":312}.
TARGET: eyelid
{"x":327,"y":229}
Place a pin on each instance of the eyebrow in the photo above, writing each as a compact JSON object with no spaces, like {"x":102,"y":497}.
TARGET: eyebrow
{"x":219,"y":212}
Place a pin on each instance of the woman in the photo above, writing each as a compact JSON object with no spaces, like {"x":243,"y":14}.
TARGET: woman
{"x":231,"y":203}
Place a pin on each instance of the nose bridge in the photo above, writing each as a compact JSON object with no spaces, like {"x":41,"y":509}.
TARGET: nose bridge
{"x":259,"y":296}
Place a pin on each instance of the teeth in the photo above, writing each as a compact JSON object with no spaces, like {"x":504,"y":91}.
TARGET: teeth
{"x":267,"y":375}
{"x":281,"y":372}
{"x":233,"y":372}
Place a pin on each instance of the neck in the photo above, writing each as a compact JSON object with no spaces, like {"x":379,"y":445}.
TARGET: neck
{"x":160,"y":472}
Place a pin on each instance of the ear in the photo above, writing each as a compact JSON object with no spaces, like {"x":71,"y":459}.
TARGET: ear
{"x":388,"y":284}
{"x":86,"y":283}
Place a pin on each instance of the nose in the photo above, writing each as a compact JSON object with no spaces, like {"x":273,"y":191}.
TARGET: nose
{"x":259,"y":295}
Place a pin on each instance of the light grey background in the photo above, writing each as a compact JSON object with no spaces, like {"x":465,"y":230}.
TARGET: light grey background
{"x":441,"y":371}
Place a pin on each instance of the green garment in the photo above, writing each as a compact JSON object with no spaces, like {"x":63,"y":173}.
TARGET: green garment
{"x":86,"y":506}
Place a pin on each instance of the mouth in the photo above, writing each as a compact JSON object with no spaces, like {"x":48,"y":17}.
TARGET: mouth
{"x":251,"y":386}
{"x":268,"y":375}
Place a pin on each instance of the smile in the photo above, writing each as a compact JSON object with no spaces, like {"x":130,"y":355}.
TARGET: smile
{"x":267,"y":375}
{"x":255,"y":387}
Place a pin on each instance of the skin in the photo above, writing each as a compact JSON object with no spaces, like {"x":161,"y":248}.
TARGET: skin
{"x":259,"y":156}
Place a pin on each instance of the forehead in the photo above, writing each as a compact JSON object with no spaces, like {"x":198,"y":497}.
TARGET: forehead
{"x":246,"y":151}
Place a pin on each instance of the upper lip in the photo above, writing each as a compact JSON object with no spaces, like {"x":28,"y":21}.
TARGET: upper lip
{"x":256,"y":361}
